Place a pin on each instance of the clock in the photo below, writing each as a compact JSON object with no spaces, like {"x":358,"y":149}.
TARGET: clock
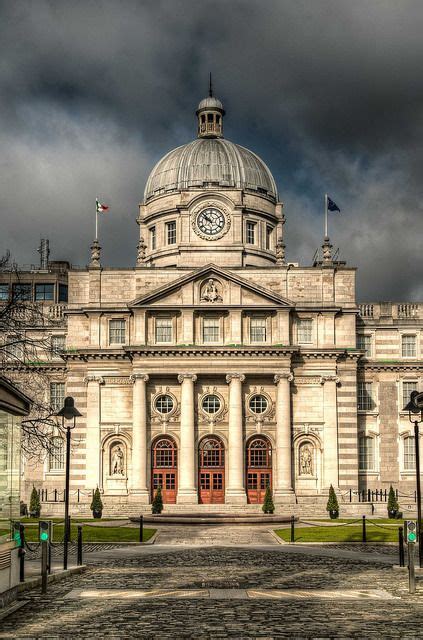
{"x":211,"y":221}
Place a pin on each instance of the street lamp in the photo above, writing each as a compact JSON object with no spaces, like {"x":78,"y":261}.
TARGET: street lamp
{"x":415,"y":407}
{"x":68,"y":412}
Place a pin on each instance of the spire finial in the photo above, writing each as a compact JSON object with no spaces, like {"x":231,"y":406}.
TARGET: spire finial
{"x":210,"y":85}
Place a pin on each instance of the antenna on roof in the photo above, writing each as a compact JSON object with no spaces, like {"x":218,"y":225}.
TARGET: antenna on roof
{"x":210,"y":86}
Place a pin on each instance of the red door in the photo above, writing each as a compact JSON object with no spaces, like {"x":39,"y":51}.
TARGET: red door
{"x":211,"y":471}
{"x":259,"y":469}
{"x":164,"y":471}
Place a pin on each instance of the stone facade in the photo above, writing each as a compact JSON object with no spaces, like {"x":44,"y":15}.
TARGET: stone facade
{"x":213,"y":368}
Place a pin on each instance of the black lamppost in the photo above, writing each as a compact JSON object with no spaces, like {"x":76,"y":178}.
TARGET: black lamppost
{"x":68,"y":412}
{"x":414,"y":408}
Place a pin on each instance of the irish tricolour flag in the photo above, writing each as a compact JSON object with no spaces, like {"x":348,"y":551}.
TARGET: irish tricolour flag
{"x":100,"y":208}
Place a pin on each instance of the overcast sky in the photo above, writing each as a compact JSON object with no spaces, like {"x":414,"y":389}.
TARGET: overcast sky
{"x":328,"y":92}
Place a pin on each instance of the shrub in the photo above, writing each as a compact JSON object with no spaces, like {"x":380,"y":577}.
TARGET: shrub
{"x":393,"y":506}
{"x":157,"y":504}
{"x":34,"y":504}
{"x":332,"y":505}
{"x":96,"y":504}
{"x":268,"y":504}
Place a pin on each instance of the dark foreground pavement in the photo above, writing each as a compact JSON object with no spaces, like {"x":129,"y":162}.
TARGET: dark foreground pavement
{"x":224,"y":597}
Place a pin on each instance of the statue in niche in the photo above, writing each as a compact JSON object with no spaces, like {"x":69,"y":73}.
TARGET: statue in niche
{"x":210,"y":292}
{"x":118,"y":460}
{"x":306,"y":461}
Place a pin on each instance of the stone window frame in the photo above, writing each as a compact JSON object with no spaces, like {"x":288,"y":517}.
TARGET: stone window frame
{"x":372,"y":343}
{"x":164,"y":416}
{"x":312,"y":329}
{"x":251,"y":227}
{"x":258,"y":416}
{"x":373,"y":404}
{"x":374,"y":437}
{"x":171,"y":233}
{"x":401,"y":402}
{"x":415,"y":335}
{"x":152,"y":236}
{"x":258,"y":316}
{"x":125,"y":333}
{"x":172,"y":326}
{"x":211,"y":316}
{"x":217,"y":414}
{"x":406,"y":470}
{"x":268,"y":237}
{"x":54,"y":403}
{"x":59,"y":467}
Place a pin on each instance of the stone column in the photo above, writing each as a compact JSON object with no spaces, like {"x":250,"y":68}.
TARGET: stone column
{"x":187,"y":492}
{"x":235,"y":488}
{"x":139,"y":438}
{"x":330,"y":432}
{"x":283,"y":476}
{"x":92,"y":441}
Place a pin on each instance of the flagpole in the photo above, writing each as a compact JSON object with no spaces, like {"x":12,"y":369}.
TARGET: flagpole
{"x":96,"y":221}
{"x":326,"y":215}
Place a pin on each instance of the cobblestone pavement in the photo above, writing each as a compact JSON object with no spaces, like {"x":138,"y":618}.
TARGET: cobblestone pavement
{"x":143,"y":568}
{"x":215,"y":535}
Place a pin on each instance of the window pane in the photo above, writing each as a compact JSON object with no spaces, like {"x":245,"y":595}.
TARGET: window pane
{"x":22,"y":291}
{"x":164,"y":404}
{"x":268,"y":237}
{"x":258,"y":404}
{"x":116,"y":331}
{"x":211,"y":404}
{"x":58,"y":344}
{"x":171,"y":232}
{"x":365,"y":401}
{"x":44,"y":291}
{"x":409,"y":453}
{"x":57,"y":454}
{"x":258,"y":330}
{"x":63,"y":292}
{"x":4,"y":291}
{"x":305,"y":327}
{"x":365,"y":343}
{"x":408,"y":346}
{"x":153,"y":238}
{"x":407,"y":388}
{"x":163,"y":329}
{"x":211,"y":329}
{"x":57,"y":395}
{"x":251,"y":232}
{"x":366,"y":454}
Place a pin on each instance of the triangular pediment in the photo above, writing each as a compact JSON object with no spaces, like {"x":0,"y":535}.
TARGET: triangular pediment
{"x":211,"y":286}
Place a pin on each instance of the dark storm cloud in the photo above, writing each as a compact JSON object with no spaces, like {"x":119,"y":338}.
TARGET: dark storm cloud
{"x":329,"y":93}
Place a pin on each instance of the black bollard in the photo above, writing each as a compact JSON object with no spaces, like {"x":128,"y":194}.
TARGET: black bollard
{"x":141,"y":527}
{"x":292,"y":528}
{"x":364,"y":530}
{"x":401,"y":546}
{"x":79,"y":554}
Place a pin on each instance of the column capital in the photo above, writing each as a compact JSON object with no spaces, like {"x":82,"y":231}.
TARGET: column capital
{"x":235,"y":376}
{"x":98,"y":379}
{"x":284,"y":375}
{"x":139,"y":376}
{"x":330,"y":378}
{"x":190,"y":376}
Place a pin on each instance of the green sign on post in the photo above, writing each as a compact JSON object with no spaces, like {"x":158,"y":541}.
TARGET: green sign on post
{"x":411,"y":530}
{"x":17,"y":533}
{"x":44,"y":535}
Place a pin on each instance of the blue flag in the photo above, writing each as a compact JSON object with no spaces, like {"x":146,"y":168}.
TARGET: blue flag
{"x":332,"y":206}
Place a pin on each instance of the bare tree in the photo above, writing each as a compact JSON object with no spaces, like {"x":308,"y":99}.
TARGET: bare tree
{"x":28,"y":360}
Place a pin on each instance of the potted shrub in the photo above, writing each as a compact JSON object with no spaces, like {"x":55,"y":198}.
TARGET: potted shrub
{"x":96,"y":504}
{"x":268,"y":504}
{"x":332,"y":505}
{"x":393,"y":506}
{"x":34,"y":504}
{"x":157,"y":504}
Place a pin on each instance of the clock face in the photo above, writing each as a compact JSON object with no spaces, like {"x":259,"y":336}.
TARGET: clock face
{"x":211,"y":221}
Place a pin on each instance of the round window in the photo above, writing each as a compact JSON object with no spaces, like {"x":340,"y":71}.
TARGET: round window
{"x":164,"y":404}
{"x":211,"y":404}
{"x":258,"y":404}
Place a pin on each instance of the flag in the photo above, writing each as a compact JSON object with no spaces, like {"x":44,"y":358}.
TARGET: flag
{"x":100,"y":208}
{"x":332,"y":206}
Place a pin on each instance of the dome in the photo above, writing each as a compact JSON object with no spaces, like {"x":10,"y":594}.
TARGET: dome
{"x":210,"y":162}
{"x":210,"y":103}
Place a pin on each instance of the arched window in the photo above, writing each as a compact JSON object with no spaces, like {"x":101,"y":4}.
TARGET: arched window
{"x":56,"y":456}
{"x":259,"y":469}
{"x":367,"y":457}
{"x":164,"y":454}
{"x":212,"y":453}
{"x":409,"y":454}
{"x":259,"y":453}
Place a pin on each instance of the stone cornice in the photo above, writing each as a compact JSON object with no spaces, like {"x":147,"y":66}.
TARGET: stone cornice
{"x":391,"y":366}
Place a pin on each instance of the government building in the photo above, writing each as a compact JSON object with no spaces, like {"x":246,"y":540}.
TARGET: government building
{"x":213,"y":367}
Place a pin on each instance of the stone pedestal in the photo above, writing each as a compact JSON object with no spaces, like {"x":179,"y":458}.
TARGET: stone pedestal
{"x":235,"y":489}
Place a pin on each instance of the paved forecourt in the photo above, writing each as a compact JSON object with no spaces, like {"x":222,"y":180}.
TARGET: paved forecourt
{"x":216,"y":591}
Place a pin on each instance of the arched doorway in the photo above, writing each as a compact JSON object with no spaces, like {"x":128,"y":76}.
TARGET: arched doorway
{"x":259,"y":468}
{"x":211,"y":471}
{"x":164,"y":472}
